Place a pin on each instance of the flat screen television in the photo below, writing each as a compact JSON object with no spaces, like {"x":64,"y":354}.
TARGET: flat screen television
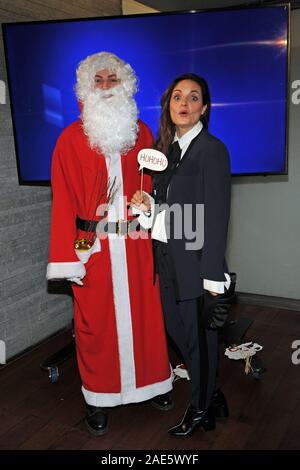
{"x":243,"y":54}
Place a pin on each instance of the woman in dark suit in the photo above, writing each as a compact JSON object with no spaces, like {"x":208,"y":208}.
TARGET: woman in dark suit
{"x":190,"y":240}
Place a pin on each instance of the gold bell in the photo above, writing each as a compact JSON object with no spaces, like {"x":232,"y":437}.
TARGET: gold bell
{"x":83,"y":244}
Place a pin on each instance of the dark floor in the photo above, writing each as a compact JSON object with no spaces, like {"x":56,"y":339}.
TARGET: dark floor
{"x":264,"y":414}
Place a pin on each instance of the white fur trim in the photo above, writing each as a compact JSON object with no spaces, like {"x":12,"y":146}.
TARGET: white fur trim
{"x":118,"y":259}
{"x":65,"y":270}
{"x":131,"y":396}
{"x":85,"y":255}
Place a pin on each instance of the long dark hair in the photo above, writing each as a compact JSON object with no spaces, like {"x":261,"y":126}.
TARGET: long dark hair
{"x":166,"y":130}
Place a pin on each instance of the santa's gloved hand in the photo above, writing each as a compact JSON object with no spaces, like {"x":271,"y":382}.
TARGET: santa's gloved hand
{"x":77,"y":280}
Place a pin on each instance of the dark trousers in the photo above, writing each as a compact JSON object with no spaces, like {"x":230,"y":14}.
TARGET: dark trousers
{"x":198,"y":346}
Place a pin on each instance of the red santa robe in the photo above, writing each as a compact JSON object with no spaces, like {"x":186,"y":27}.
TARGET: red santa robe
{"x":119,"y":329}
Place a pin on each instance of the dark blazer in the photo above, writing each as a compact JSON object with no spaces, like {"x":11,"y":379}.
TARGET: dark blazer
{"x":202,"y":177}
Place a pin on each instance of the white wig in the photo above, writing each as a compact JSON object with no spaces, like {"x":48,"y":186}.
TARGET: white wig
{"x":88,"y":67}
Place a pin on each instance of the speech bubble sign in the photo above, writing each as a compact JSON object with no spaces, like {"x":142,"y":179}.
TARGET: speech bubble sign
{"x":152,"y":159}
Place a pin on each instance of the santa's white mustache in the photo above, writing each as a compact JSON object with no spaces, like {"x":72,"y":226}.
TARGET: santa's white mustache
{"x":116,"y":92}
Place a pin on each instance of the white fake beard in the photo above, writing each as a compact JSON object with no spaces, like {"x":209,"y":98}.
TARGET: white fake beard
{"x":110,"y":122}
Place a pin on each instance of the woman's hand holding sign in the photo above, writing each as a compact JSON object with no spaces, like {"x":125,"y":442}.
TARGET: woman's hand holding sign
{"x":152,"y":160}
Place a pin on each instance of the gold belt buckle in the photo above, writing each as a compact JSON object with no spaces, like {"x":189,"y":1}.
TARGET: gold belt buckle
{"x":120,"y":222}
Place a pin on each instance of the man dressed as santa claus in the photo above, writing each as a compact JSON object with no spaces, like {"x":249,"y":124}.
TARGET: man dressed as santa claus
{"x":119,"y":330}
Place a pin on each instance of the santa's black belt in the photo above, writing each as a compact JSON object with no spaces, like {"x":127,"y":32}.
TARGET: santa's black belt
{"x":121,"y":227}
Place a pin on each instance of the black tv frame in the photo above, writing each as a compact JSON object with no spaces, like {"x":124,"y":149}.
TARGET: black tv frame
{"x":177,"y":12}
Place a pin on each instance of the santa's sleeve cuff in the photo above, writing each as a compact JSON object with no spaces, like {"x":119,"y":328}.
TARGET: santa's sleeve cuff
{"x":217,"y":286}
{"x":65,"y":270}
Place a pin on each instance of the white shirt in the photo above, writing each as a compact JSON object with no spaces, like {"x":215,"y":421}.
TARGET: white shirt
{"x":185,"y":140}
{"x":159,"y":228}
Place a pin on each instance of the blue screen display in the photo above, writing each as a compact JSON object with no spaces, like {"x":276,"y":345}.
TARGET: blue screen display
{"x":242,"y":53}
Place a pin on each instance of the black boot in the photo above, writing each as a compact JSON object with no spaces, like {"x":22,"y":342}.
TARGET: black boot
{"x":219,"y":403}
{"x":162,"y":402}
{"x":96,"y":420}
{"x":192,"y":419}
